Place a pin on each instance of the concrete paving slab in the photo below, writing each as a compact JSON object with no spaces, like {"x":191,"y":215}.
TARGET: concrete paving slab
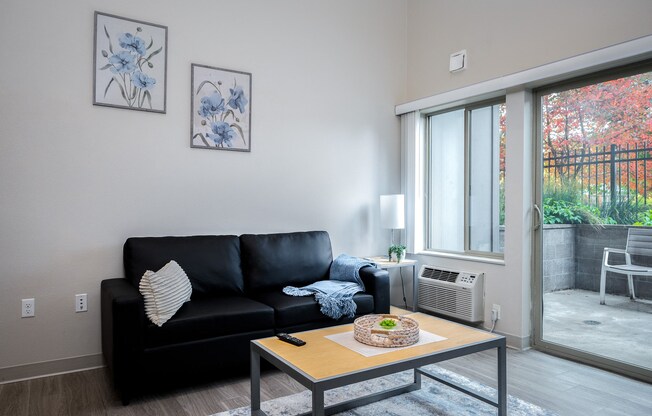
{"x":621,"y":329}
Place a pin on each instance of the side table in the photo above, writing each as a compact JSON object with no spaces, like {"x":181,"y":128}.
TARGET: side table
{"x":385,"y":264}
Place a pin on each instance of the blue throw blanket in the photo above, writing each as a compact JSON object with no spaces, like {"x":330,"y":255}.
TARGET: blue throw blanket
{"x":335,"y":296}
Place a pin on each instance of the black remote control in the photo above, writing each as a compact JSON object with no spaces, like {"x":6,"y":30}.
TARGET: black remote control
{"x":290,"y":339}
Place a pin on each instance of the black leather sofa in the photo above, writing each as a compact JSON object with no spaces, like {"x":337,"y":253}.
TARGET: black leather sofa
{"x":236,"y":297}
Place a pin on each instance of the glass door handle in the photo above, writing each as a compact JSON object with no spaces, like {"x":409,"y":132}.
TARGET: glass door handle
{"x":537,"y":225}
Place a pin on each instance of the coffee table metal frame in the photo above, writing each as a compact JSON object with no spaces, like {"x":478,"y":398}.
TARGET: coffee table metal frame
{"x":319,"y":386}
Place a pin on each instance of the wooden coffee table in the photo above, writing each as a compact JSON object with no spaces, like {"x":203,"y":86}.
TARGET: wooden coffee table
{"x":323,"y":364}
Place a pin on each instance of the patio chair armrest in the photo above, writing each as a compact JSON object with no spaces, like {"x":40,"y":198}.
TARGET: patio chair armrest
{"x":615,"y":250}
{"x":608,"y":250}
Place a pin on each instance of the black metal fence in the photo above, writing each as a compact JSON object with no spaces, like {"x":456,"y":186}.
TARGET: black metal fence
{"x":603,"y":174}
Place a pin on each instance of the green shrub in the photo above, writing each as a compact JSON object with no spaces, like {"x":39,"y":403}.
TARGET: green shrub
{"x":559,"y":212}
{"x":624,"y":212}
{"x":564,"y":204}
{"x":645,"y":218}
{"x":556,"y":211}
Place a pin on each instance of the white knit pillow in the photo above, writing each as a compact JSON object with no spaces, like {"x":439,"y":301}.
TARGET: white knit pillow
{"x":164,"y":292}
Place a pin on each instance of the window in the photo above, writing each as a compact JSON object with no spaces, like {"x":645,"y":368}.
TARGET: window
{"x":465,"y":179}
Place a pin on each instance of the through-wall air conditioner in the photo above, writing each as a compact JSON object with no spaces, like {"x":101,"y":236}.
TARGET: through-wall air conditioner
{"x":451,"y":292}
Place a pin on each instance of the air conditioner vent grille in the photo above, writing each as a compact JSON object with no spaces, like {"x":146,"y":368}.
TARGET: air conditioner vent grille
{"x":438,"y":274}
{"x":453,"y":293}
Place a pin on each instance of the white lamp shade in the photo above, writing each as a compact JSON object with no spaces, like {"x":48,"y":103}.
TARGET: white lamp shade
{"x":392,"y":211}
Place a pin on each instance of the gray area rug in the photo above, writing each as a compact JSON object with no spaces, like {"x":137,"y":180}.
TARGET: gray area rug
{"x":432,"y":399}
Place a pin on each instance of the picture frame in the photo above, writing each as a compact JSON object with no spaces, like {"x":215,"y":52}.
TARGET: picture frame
{"x":220,"y":110}
{"x":129,"y":63}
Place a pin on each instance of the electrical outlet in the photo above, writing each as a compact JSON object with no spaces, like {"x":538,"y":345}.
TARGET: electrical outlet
{"x":28,"y":308}
{"x":81,"y":304}
{"x":495,"y":312}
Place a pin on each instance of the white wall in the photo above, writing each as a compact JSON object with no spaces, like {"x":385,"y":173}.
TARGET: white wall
{"x":76,"y":180}
{"x":504,"y":37}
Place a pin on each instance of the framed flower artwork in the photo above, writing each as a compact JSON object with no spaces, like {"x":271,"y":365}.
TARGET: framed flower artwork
{"x":220,"y":110}
{"x":129,"y":64}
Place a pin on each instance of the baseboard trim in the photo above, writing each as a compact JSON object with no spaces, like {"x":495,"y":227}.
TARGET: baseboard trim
{"x":50,"y":368}
{"x":514,"y":341}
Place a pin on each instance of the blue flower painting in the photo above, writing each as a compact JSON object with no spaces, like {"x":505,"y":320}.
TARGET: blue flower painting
{"x":130,"y":63}
{"x":221,"y":109}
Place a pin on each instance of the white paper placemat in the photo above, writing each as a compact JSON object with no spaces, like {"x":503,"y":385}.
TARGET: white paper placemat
{"x":346,"y":340}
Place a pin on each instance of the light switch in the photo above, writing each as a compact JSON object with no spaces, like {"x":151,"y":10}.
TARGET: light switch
{"x":457,"y":61}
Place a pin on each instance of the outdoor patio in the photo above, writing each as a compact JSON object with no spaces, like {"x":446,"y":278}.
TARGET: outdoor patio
{"x":621,"y":329}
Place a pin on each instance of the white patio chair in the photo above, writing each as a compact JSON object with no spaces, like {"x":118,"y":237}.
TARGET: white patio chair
{"x":639,"y":242}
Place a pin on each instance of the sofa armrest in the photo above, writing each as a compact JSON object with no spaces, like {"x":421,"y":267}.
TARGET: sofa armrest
{"x":123,"y":325}
{"x":376,"y":282}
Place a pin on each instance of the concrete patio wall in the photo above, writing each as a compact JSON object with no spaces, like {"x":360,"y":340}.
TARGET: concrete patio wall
{"x":559,"y":263}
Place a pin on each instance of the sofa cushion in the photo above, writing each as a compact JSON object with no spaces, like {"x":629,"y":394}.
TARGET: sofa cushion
{"x":207,"y":318}
{"x":297,"y":310}
{"x":271,"y":261}
{"x":212,"y":263}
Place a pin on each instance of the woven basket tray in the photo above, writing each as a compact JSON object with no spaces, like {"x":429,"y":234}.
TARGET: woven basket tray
{"x":367,"y":330}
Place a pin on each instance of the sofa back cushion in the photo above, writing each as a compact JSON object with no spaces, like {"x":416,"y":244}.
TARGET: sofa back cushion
{"x":271,"y":261}
{"x":212,"y":263}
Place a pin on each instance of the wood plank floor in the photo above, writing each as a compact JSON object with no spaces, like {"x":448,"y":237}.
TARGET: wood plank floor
{"x":562,"y":386}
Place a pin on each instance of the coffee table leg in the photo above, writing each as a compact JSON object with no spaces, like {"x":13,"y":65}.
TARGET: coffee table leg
{"x":417,"y":378}
{"x":317,"y":401}
{"x":502,"y":379}
{"x":255,"y":382}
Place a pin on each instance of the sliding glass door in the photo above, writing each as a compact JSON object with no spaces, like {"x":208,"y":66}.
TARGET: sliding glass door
{"x":594,"y":185}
